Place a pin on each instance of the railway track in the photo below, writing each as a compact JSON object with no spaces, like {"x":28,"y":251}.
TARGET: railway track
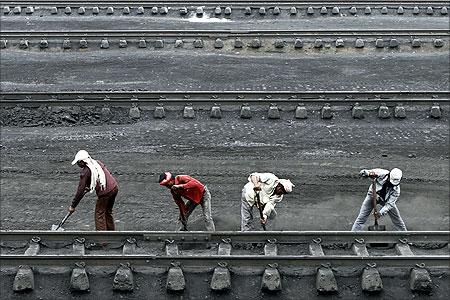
{"x":224,"y":97}
{"x":326,"y":254}
{"x":211,"y":3}
{"x":227,"y":39}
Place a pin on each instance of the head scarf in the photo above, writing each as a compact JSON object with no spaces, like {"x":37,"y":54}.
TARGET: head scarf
{"x":97,"y":173}
{"x":287,"y":184}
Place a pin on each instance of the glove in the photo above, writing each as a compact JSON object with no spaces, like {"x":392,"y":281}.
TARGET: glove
{"x":382,"y":211}
{"x":364,"y":173}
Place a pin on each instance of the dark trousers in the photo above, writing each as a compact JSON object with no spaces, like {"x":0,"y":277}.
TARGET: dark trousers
{"x":104,"y":219}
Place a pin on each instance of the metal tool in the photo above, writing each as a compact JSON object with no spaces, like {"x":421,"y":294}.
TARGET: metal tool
{"x":259,"y":206}
{"x":58,"y":227}
{"x":375,"y":227}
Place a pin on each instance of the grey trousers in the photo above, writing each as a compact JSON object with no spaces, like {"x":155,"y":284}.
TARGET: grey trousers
{"x":205,"y":203}
{"x":366,"y":209}
{"x":247,"y":216}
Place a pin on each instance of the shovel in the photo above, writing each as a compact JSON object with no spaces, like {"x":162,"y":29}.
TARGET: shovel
{"x":259,"y":206}
{"x":375,"y":227}
{"x":58,"y":227}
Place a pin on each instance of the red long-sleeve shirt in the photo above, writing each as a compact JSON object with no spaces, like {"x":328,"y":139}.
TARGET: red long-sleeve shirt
{"x":191,"y":189}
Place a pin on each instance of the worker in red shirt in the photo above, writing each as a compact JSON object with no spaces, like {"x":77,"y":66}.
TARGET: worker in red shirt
{"x":194,"y":191}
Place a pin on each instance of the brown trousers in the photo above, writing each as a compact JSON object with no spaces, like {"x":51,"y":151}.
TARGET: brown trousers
{"x":104,"y":219}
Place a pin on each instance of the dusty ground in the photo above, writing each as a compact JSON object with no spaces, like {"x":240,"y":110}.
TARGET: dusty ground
{"x":321,"y":157}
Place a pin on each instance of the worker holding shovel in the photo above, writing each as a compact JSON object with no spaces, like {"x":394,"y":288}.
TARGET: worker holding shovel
{"x":387,"y":191}
{"x":185,"y":186}
{"x":263,"y":190}
{"x":94,"y":176}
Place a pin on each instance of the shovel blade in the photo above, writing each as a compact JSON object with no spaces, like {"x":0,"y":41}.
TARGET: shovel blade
{"x":377,"y":228}
{"x":55,"y":228}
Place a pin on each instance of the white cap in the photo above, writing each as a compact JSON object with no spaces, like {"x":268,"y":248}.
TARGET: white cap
{"x":81,"y":155}
{"x":287,"y":184}
{"x":395,"y":176}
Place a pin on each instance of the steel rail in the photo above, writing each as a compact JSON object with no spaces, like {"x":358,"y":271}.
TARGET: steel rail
{"x":211,"y":261}
{"x":227,"y":33}
{"x":337,"y":97}
{"x":231,"y":97}
{"x":295,"y":237}
{"x":223,"y":2}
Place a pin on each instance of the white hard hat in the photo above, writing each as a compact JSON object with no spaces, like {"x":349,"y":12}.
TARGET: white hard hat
{"x":81,"y":155}
{"x":395,"y":176}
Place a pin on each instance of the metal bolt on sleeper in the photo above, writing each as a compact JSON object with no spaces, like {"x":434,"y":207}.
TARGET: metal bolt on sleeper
{"x":238,"y":43}
{"x":323,"y":10}
{"x":142,"y":43}
{"x":81,"y":10}
{"x":159,"y":44}
{"x":6,"y":10}
{"x":353,"y":10}
{"x":400,"y":10}
{"x":183,"y":11}
{"x":359,"y":43}
{"x":217,"y":11}
{"x":17,"y":10}
{"x":110,"y":10}
{"x":368,"y":10}
{"x":384,"y":10}
{"x":227,"y":11}
{"x":310,"y":10}
{"x":68,"y":10}
{"x":339,"y":43}
{"x":29,"y":10}
{"x":126,"y":10}
{"x":415,"y":43}
{"x":178,"y":43}
{"x":248,"y":11}
{"x":335,"y":10}
{"x":104,"y":44}
{"x":293,"y":10}
{"x":318,"y":43}
{"x":83,"y":43}
{"x":95,"y":10}
{"x":415,"y":10}
{"x":123,"y":43}
{"x":140,"y":10}
{"x":276,"y":11}
{"x":262,"y":10}
{"x":298,"y":44}
{"x":164,"y":10}
{"x":218,"y":43}
{"x":154,"y":10}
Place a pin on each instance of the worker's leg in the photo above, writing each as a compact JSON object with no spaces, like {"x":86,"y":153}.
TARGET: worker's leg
{"x":364,"y":213}
{"x":206,"y":208}
{"x":397,"y":220}
{"x":246,"y":215}
{"x":109,"y":207}
{"x":100,"y":214}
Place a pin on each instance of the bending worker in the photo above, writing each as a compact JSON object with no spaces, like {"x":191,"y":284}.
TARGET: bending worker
{"x":270,"y":190}
{"x":388,"y":190}
{"x":194,"y":191}
{"x":95,"y":176}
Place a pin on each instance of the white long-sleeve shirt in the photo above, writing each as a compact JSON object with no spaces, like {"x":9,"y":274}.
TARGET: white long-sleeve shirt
{"x":268,"y":183}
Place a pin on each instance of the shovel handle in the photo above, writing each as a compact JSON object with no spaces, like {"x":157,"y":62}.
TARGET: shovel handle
{"x":261,"y":215}
{"x":374,"y":200}
{"x":64,"y":220}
